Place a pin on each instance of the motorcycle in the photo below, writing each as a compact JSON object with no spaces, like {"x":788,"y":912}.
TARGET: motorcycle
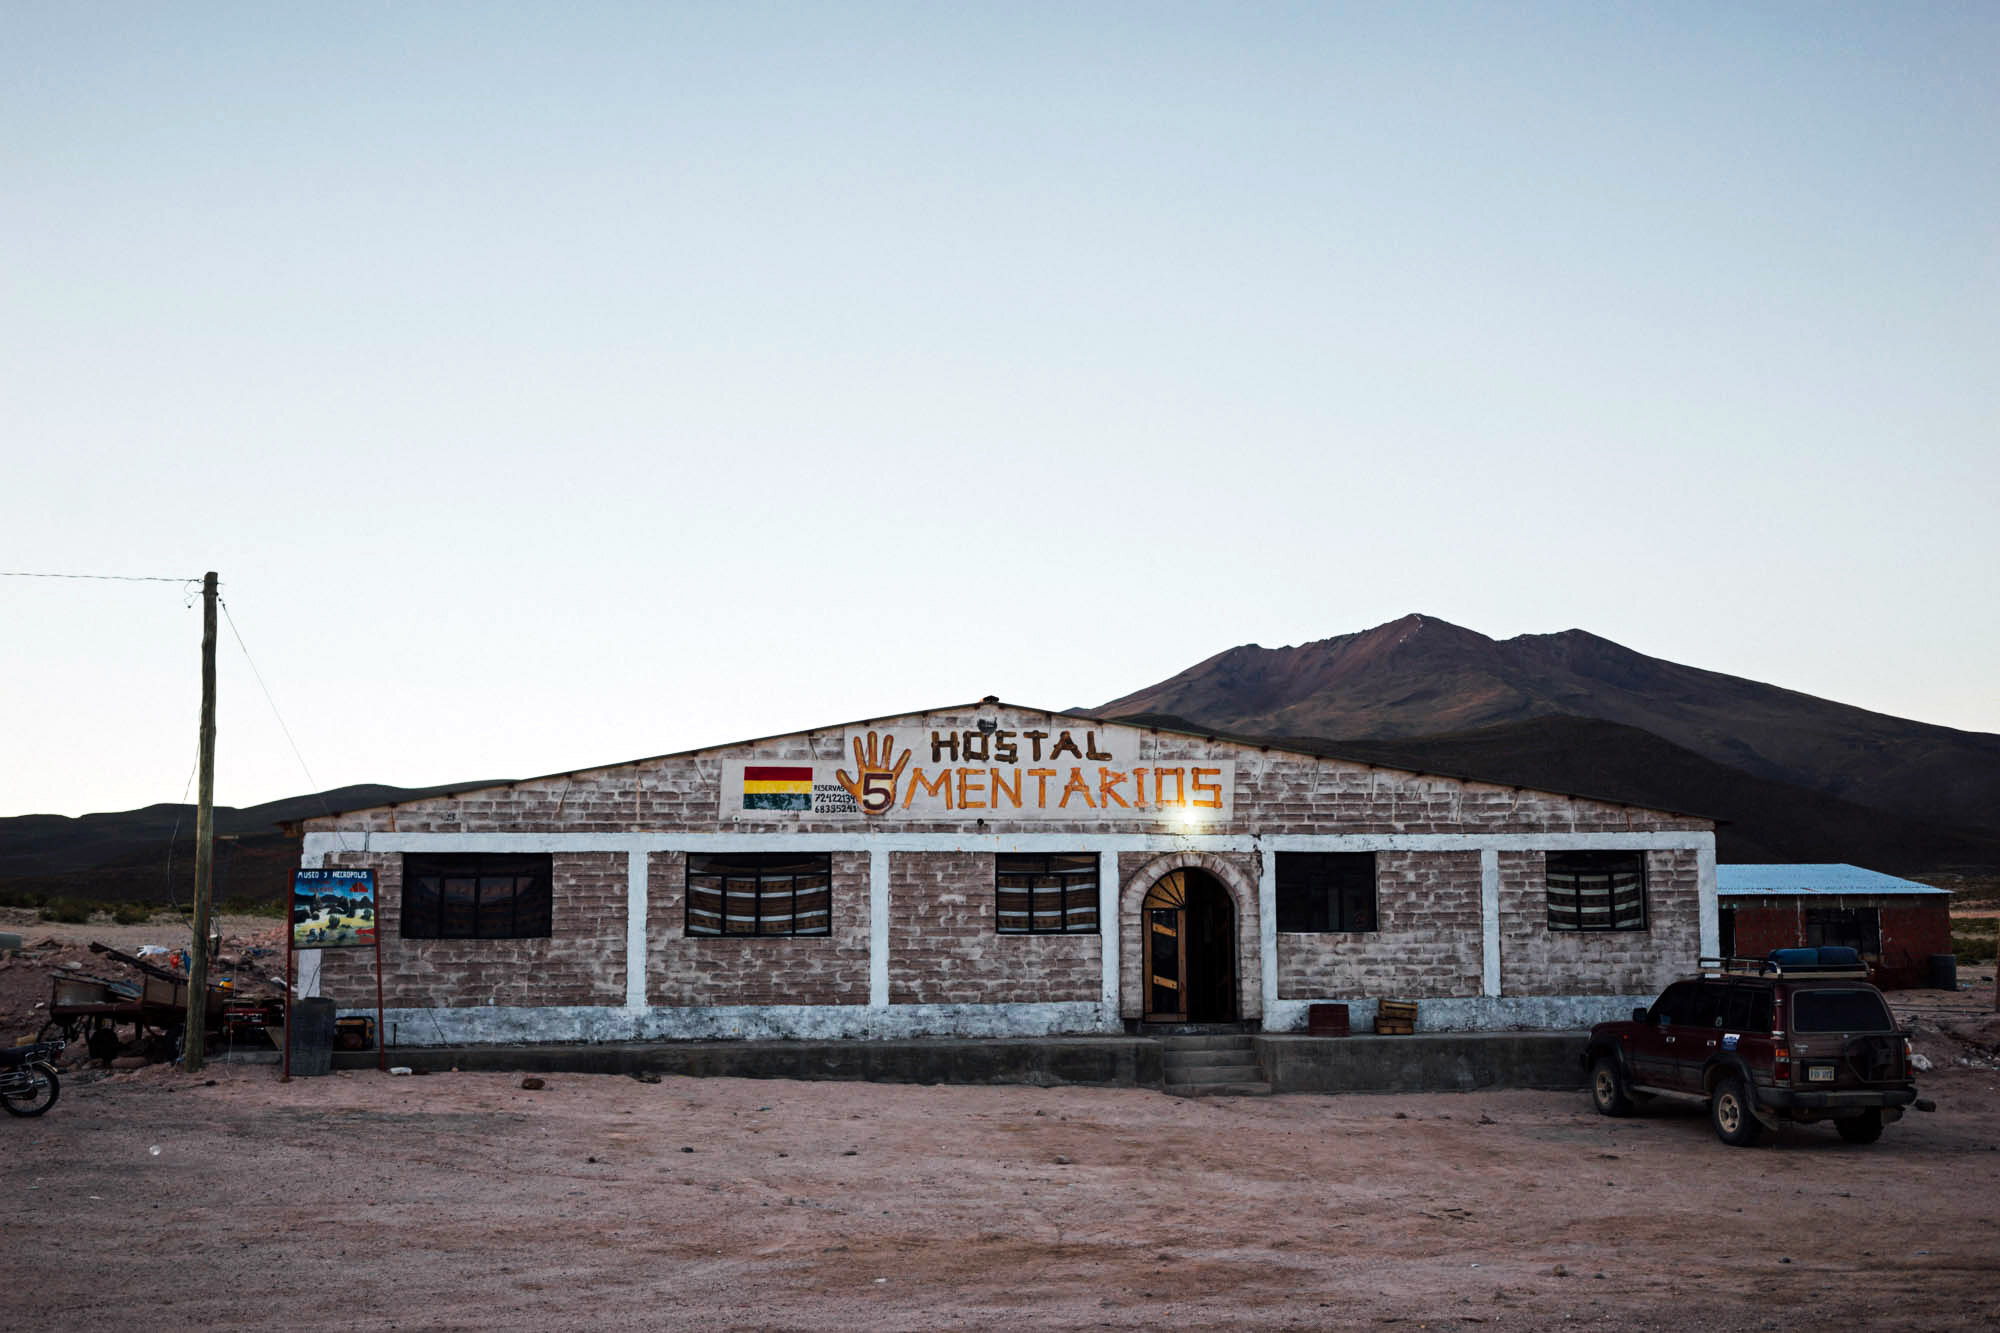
{"x":28,"y":1082}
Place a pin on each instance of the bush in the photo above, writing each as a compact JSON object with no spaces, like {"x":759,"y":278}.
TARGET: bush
{"x":132,"y":914}
{"x":66,"y":909}
{"x":1974,"y":948}
{"x":252,"y":907}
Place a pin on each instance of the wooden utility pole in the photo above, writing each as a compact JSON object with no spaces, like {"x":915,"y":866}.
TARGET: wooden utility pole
{"x":196,"y":1031}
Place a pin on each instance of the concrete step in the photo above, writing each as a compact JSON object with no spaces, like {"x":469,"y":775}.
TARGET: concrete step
{"x":1212,"y":1064}
{"x":1218,"y":1090}
{"x":1214,"y":1074}
{"x":1212,"y":1042}
{"x":1244,"y":1055}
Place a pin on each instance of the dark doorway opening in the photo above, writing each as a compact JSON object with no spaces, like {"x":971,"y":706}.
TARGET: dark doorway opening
{"x":1189,"y":924}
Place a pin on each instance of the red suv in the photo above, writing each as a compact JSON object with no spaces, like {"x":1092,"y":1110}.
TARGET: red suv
{"x":1799,"y":1035}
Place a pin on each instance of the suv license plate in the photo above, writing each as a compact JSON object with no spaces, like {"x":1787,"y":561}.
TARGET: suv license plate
{"x":1819,"y":1074}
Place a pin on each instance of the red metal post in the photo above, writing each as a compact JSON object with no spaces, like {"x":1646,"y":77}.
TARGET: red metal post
{"x":286,"y":1076}
{"x":381,"y":1028}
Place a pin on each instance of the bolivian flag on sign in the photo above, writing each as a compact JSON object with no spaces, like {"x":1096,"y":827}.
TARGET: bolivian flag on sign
{"x":771,"y":788}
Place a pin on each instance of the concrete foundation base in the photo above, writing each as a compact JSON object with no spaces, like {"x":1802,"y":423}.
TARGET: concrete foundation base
{"x":1426,"y":1062}
{"x":1109,"y":1061}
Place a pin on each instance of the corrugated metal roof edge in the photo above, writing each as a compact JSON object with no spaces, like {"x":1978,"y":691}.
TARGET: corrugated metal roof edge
{"x":1861,"y":881}
{"x":1851,"y":892}
{"x":1292,"y":746}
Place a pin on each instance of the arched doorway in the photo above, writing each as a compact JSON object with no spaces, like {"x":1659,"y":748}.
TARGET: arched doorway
{"x":1189,"y":927}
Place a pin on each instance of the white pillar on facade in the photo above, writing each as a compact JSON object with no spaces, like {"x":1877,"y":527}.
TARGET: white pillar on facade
{"x":1267,"y":935}
{"x":306,"y":980}
{"x":1489,"y":920}
{"x":635,"y":929}
{"x":1705,"y":895}
{"x":878,"y":928}
{"x":1109,"y":928}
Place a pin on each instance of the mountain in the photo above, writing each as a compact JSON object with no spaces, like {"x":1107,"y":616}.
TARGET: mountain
{"x":148,"y":854}
{"x":1762,"y":820}
{"x":1792,"y":777}
{"x":1424,"y":677}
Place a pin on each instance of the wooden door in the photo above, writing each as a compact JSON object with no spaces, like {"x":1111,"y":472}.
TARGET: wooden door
{"x":1164,"y":917}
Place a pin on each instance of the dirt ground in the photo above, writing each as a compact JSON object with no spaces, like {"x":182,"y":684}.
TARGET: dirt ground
{"x":253,"y":949}
{"x":367,"y":1201}
{"x":462,"y":1201}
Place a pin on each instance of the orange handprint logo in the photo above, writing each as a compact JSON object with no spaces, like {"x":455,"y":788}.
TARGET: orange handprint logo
{"x":874,"y":789}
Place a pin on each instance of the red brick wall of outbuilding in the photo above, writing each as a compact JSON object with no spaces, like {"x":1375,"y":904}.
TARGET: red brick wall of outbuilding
{"x":1911,"y":932}
{"x":1762,"y":926}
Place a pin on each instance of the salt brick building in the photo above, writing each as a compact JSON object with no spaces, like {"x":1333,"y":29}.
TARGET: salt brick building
{"x":993,"y":870}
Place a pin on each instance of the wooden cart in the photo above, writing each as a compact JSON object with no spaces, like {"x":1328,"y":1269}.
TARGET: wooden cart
{"x":93,"y":1009}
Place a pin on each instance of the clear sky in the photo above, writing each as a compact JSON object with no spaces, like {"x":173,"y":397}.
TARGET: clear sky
{"x":558,"y":384}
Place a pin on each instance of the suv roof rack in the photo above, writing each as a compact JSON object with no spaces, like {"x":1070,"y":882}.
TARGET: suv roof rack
{"x":1824,"y":961}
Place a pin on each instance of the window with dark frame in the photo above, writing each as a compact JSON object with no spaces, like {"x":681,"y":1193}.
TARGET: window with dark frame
{"x":1597,"y":891}
{"x":1748,"y":1009}
{"x":1677,"y":1005}
{"x":1045,"y":894}
{"x":1706,"y":1010}
{"x":1324,"y":892}
{"x":1858,"y":928}
{"x":759,"y":893}
{"x":1815,"y":1010}
{"x":479,"y":896}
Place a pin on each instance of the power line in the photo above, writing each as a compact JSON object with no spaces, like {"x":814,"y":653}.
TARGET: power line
{"x":113,"y":578}
{"x":174,"y":899}
{"x":311,"y":781}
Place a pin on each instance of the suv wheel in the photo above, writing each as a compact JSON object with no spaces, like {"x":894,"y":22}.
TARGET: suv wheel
{"x":1729,"y":1110}
{"x":1607,"y":1088}
{"x":1863,"y":1128}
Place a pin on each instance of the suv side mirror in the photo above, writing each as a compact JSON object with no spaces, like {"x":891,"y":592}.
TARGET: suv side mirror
{"x":1639,"y":1015}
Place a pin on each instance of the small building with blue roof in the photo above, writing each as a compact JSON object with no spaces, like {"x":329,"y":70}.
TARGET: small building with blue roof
{"x":1898,"y":925}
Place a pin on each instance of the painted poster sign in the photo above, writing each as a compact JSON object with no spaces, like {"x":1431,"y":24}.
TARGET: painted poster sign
{"x":333,"y":909}
{"x":930,"y":774}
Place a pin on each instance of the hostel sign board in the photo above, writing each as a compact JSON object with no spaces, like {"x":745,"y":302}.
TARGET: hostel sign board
{"x":926,"y":774}
{"x":333,"y":909}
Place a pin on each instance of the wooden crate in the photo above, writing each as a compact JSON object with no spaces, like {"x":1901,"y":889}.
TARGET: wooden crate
{"x":1326,"y":1020}
{"x":1396,"y":1018}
